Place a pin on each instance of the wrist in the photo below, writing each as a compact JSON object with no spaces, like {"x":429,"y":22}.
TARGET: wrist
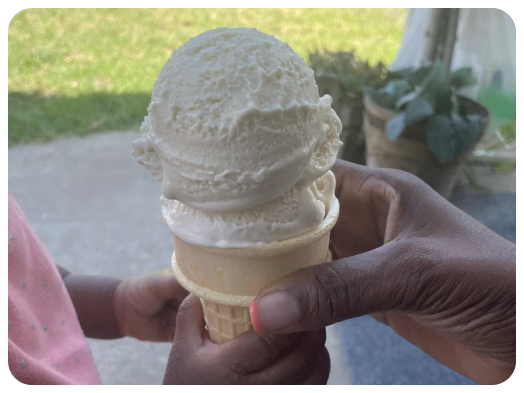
{"x":93,"y":299}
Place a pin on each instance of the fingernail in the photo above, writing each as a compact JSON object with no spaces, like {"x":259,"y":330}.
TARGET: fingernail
{"x":274,"y":311}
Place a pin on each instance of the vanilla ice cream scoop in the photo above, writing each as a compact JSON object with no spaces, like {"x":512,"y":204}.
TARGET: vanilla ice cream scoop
{"x":294,"y":213}
{"x":235,"y":121}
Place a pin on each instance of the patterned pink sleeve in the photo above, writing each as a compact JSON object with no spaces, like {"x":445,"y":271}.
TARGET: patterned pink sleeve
{"x":46,"y":342}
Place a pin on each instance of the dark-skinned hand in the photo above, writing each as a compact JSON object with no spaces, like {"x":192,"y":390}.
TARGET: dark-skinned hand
{"x":405,"y":255}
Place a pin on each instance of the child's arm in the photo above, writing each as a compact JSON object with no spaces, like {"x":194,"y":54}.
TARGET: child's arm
{"x":92,"y":298}
{"x":144,"y":307}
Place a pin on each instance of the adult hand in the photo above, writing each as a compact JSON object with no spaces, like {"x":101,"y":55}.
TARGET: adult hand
{"x":146,"y":307}
{"x":436,"y":276}
{"x":298,"y":358}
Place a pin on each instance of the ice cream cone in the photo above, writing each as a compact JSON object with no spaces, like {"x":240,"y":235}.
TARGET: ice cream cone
{"x":242,"y":166}
{"x":227,"y":280}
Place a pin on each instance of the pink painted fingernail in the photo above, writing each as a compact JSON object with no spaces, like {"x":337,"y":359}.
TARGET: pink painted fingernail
{"x":253,"y":312}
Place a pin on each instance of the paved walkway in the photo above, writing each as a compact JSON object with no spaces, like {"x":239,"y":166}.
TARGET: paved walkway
{"x":97,"y":212}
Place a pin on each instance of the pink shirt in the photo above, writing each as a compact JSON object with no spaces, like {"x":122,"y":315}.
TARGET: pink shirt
{"x":46,"y":342}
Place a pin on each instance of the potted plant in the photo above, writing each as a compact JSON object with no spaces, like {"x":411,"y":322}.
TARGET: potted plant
{"x":341,"y":76}
{"x":419,"y":123}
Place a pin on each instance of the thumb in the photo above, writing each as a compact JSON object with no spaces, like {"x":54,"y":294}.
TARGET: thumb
{"x":324,"y":294}
{"x":190,"y":323}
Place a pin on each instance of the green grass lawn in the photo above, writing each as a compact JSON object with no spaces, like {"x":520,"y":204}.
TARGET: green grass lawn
{"x":76,"y":71}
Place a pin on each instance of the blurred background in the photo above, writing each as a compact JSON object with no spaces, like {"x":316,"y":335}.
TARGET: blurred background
{"x":429,"y":91}
{"x":77,"y":71}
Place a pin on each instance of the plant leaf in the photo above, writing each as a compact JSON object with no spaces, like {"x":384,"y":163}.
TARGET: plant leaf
{"x":395,"y":126}
{"x":473,"y":118}
{"x":417,"y":110}
{"x":464,"y":72}
{"x":436,"y":91}
{"x":462,"y":77}
{"x":381,"y":99}
{"x":467,"y":130}
{"x":455,"y":105}
{"x":441,"y":139}
{"x":405,"y":99}
{"x":396,"y":88}
{"x":435,"y":77}
{"x":440,"y":98}
{"x":403,"y":73}
{"x":419,"y":75}
{"x":473,"y":132}
{"x":414,"y":76}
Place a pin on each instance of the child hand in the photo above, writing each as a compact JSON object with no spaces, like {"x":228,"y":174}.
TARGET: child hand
{"x":146,"y":307}
{"x":248,"y":359}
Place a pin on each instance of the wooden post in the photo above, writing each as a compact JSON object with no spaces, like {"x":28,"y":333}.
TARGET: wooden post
{"x":434,"y":35}
{"x":441,"y":35}
{"x":451,"y":37}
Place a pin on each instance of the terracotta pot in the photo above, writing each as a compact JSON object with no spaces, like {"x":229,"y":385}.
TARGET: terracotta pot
{"x":410,"y":152}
